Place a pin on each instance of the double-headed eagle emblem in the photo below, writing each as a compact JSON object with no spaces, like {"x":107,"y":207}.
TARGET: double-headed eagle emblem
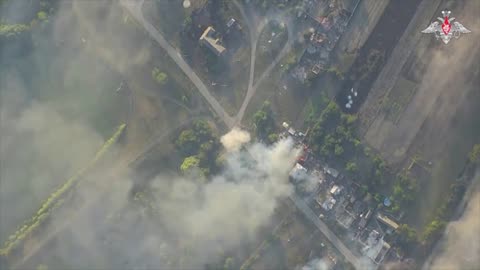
{"x":446,"y":30}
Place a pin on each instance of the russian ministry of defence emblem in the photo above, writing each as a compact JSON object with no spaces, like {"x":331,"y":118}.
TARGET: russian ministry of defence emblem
{"x":447,"y":29}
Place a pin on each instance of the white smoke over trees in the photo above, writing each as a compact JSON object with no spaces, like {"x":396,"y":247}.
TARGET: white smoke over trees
{"x":188,"y":224}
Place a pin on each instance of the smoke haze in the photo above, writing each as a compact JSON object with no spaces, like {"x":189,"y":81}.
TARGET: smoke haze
{"x":317,"y":264}
{"x":461,"y":247}
{"x":190,"y":223}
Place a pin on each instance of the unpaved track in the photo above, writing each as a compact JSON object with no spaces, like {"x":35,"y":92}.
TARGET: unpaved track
{"x":308,"y":212}
{"x":437,"y":96}
{"x":134,"y":8}
{"x":370,"y":114}
{"x":255,"y":29}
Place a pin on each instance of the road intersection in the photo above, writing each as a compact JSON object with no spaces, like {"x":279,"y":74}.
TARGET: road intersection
{"x":134,"y":8}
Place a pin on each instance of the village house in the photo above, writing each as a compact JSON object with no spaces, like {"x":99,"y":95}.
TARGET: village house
{"x":211,"y":40}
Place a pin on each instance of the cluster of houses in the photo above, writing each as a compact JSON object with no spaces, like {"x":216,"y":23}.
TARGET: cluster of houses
{"x":335,"y":197}
{"x":328,"y":21}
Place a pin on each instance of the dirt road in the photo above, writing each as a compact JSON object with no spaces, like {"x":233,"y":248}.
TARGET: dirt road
{"x":357,"y":263}
{"x":134,"y":7}
{"x":370,"y":116}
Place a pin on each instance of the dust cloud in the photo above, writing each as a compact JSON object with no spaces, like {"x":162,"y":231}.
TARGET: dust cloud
{"x":233,"y":140}
{"x":461,"y":247}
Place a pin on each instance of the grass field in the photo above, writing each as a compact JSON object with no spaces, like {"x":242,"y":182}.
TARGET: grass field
{"x":398,"y":99}
{"x":270,"y":42}
{"x":439,"y":124}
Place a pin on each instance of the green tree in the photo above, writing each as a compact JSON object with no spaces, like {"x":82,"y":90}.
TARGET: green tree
{"x":208,"y":156}
{"x":351,"y":167}
{"x":272,"y":138}
{"x":158,"y":76}
{"x":203,"y":130}
{"x":263,"y":121}
{"x":229,"y":264}
{"x":187,"y":22}
{"x":378,"y":198}
{"x":338,"y":150}
{"x":407,"y":237}
{"x":190,"y":163}
{"x":474,"y":156}
{"x":187,"y":142}
{"x":433,"y":230}
{"x":11,"y":30}
{"x":200,"y":141}
{"x":349,"y":119}
{"x":325,"y":150}
{"x":42,"y":15}
{"x":405,"y":189}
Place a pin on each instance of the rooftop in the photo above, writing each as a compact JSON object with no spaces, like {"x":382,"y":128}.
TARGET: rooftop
{"x":210,"y":39}
{"x":331,"y":171}
{"x":387,"y":221}
{"x":298,"y":172}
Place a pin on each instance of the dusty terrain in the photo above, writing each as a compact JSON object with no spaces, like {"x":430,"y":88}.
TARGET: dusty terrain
{"x":441,"y":91}
{"x":430,"y":113}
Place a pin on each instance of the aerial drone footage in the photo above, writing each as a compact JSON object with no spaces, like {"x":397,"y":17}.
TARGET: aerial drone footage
{"x":239,"y":134}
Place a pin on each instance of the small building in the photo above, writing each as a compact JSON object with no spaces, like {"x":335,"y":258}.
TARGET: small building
{"x":364,"y":219}
{"x":345,"y":218}
{"x":329,"y":203}
{"x":383,"y":252}
{"x":231,"y":22}
{"x":292,"y":131}
{"x":318,"y":176}
{"x":298,"y":172}
{"x":375,"y":247}
{"x":317,"y":38}
{"x":317,"y":68}
{"x":387,"y":221}
{"x":330,"y":171}
{"x":285,"y":125}
{"x":335,"y":190}
{"x":210,"y":39}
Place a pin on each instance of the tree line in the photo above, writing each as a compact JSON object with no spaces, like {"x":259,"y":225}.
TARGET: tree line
{"x":333,"y":137}
{"x":407,"y":237}
{"x":54,"y":200}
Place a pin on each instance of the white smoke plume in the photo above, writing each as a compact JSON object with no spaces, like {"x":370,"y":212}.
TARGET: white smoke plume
{"x":233,"y":140}
{"x":317,"y":264}
{"x":193,"y":220}
{"x":228,"y":210}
